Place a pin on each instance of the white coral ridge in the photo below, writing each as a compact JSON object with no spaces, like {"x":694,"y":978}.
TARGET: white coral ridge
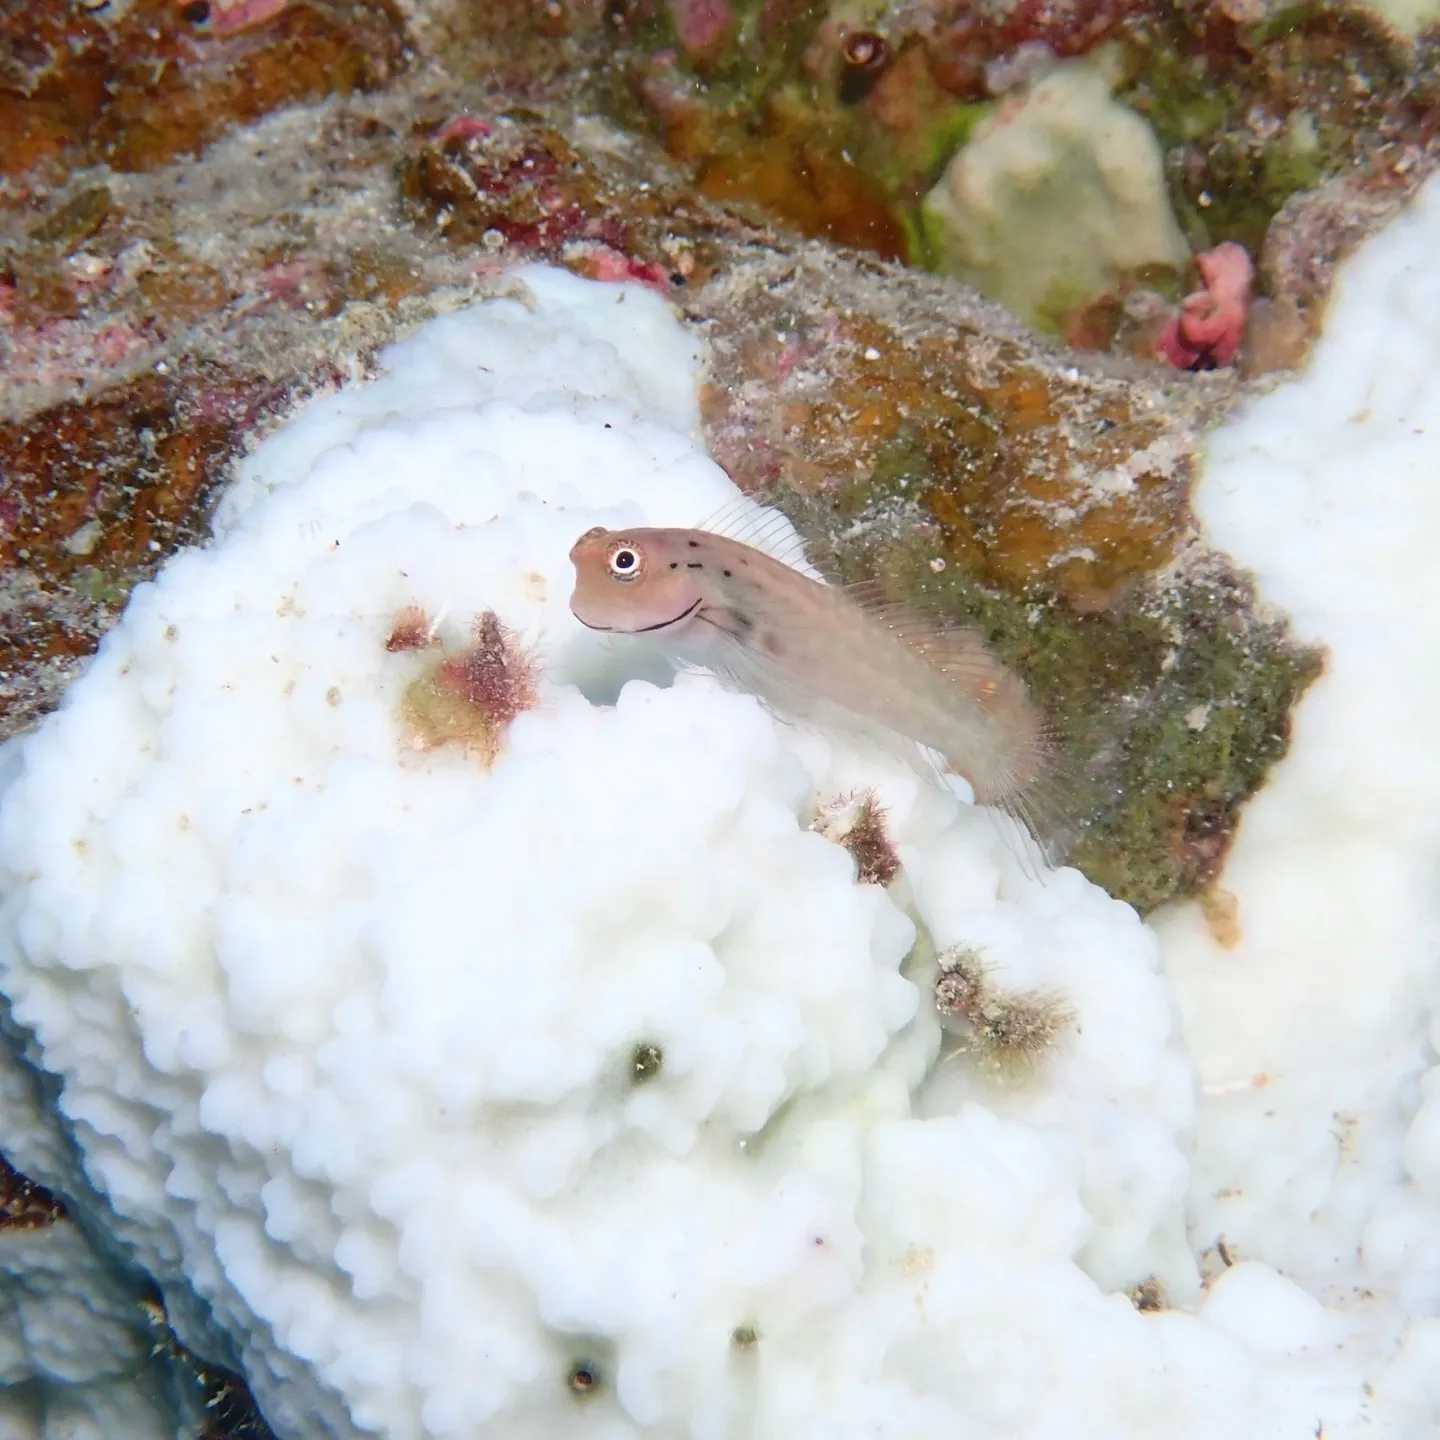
{"x":348,"y":1030}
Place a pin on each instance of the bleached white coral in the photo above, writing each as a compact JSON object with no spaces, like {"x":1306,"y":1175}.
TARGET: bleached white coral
{"x":76,"y":1348}
{"x":588,"y":1093}
{"x":1315,"y":1026}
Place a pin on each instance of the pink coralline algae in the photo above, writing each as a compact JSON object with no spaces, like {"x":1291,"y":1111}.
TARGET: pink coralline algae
{"x":463,"y":127}
{"x":701,"y":25}
{"x":606,"y":263}
{"x":225,"y":17}
{"x":1210,"y":325}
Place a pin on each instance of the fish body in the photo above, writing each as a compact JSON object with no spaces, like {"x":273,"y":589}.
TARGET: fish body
{"x":821,"y":653}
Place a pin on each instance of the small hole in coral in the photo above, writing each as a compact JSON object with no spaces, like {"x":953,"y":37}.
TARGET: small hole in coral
{"x":584,"y":1378}
{"x":743,"y":1337}
{"x":645,"y":1062}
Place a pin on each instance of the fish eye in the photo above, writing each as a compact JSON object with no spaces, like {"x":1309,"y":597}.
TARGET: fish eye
{"x":624,"y":562}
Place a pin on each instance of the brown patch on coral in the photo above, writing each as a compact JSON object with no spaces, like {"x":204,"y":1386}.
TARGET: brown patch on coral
{"x":1094,"y":323}
{"x":1314,"y":231}
{"x":76,"y":220}
{"x":411,"y":631}
{"x":111,"y":483}
{"x":374,"y":274}
{"x":157,"y":82}
{"x":1010,"y":1030}
{"x":1148,"y":1297}
{"x":960,"y":985}
{"x":223,"y":1398}
{"x":1221,"y":909}
{"x":857,"y":824}
{"x":24,"y":1205}
{"x":469,"y":700}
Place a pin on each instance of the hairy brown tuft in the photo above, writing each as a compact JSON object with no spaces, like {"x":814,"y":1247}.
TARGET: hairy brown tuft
{"x":857,"y":823}
{"x":411,"y":631}
{"x":1008,"y":1029}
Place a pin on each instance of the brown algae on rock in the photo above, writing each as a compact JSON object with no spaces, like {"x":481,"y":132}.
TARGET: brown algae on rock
{"x":963,"y":470}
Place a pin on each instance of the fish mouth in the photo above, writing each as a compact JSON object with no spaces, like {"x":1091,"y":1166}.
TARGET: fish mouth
{"x":644,"y":629}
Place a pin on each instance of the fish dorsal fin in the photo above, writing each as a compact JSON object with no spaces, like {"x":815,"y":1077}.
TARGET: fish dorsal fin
{"x":762,"y":527}
{"x":955,"y":650}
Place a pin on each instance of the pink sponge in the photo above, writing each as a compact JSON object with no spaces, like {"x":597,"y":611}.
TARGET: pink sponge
{"x":1211,"y":322}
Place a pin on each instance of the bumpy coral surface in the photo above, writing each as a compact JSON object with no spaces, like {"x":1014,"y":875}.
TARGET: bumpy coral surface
{"x":584,"y":1088}
{"x":1312,"y":1012}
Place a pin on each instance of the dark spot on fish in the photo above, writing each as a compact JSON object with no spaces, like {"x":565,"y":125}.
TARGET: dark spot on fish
{"x":725,"y":573}
{"x":674,"y":564}
{"x":743,"y":622}
{"x":694,"y":565}
{"x":693,"y":544}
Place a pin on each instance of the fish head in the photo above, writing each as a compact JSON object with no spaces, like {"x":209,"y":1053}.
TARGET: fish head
{"x":625,"y":581}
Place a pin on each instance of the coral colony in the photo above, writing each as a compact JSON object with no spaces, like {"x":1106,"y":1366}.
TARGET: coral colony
{"x":514,"y":1038}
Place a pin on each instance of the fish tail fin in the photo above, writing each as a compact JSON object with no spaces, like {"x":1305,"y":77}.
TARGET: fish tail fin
{"x":1035,"y":798}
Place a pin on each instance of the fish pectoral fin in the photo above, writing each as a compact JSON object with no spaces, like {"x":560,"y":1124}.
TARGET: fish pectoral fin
{"x":740,"y":667}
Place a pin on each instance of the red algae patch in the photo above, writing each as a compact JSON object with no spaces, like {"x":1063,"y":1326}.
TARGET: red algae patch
{"x":412,"y":630}
{"x":469,"y":699}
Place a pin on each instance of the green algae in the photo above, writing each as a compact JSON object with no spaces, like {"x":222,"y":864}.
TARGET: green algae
{"x":1173,"y":703}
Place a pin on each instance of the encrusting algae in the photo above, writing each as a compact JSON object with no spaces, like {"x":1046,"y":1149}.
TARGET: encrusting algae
{"x":832,"y":656}
{"x":466,"y":699}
